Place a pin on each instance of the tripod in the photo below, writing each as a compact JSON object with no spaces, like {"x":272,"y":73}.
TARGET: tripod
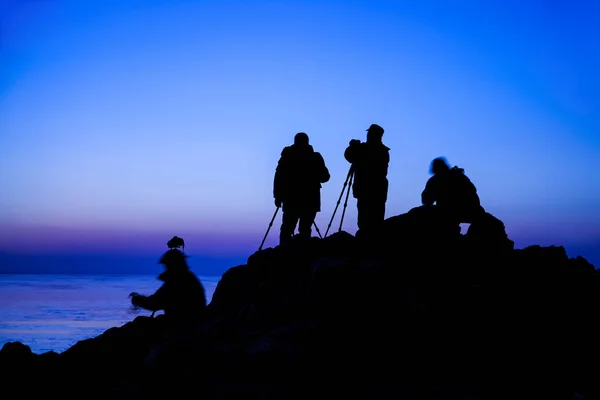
{"x":347,"y":182}
{"x":271,"y":224}
{"x":268,"y":229}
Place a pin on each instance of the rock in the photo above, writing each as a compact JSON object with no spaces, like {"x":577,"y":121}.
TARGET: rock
{"x":233,"y":291}
{"x":16,"y":355}
{"x":16,"y":351}
{"x":489,"y":233}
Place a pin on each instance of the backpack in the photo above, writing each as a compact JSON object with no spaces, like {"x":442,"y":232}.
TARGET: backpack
{"x":463,"y":184}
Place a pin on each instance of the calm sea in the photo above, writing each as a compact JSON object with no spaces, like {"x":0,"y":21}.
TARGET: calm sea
{"x":53,"y":312}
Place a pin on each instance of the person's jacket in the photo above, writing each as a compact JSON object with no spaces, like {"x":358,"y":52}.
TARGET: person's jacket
{"x":181,"y":296}
{"x":370,"y":162}
{"x":298,"y":178}
{"x":453,"y":191}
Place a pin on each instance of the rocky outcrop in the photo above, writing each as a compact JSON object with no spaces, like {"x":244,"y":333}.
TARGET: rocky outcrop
{"x":423,"y":311}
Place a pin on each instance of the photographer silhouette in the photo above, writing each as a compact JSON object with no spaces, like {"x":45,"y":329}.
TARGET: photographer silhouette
{"x":370,"y":162}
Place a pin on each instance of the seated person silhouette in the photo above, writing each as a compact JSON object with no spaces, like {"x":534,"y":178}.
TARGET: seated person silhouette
{"x":297,"y":187}
{"x":181,"y":297}
{"x":453,"y":193}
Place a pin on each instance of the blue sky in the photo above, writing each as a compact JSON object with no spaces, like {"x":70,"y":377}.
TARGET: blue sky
{"x":125,"y":122}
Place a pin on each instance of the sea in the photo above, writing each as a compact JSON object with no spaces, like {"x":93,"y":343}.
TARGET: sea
{"x":52,"y":312}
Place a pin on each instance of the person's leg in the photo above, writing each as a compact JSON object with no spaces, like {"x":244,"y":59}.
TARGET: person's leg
{"x":364,"y":217}
{"x":306,"y":221}
{"x":378,"y":212}
{"x":288,"y":225}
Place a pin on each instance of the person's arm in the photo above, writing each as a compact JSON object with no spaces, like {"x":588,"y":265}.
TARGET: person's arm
{"x":428,"y":194}
{"x":323,"y":172}
{"x":153,"y":302}
{"x":387,"y":159}
{"x":280,"y":180}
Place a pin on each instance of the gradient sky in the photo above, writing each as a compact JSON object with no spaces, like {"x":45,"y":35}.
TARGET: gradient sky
{"x":125,"y":122}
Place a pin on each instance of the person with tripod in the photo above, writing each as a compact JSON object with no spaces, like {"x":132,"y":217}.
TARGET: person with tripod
{"x":297,"y":187}
{"x":370,"y":162}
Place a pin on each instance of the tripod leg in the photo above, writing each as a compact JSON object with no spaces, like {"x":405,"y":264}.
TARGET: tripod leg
{"x":346,"y":203}
{"x":350,"y":172}
{"x":317,"y":228}
{"x":268,"y":229}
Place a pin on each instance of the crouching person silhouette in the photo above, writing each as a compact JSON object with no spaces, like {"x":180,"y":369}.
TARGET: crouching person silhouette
{"x":297,"y":187}
{"x":183,"y":300}
{"x":181,"y":297}
{"x":452,"y":192}
{"x":132,"y":345}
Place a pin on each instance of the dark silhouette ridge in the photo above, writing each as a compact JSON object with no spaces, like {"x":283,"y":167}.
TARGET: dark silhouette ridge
{"x":428,"y":313}
{"x":370,"y":184}
{"x":297,"y":187}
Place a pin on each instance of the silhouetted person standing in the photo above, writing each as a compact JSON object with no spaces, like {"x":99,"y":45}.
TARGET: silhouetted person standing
{"x":182,"y":295}
{"x":370,"y":162}
{"x":297,"y":187}
{"x":453,"y":192}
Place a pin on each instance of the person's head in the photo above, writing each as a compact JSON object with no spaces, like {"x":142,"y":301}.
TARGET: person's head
{"x":174,"y":260}
{"x":301,"y":139}
{"x":374,"y":133}
{"x":439,"y":165}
